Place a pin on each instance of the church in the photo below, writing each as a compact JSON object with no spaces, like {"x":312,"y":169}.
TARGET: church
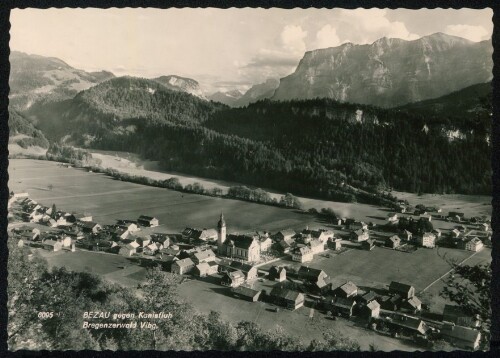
{"x":243,"y":247}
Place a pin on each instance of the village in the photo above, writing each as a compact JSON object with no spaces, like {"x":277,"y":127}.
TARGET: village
{"x":279,"y":268}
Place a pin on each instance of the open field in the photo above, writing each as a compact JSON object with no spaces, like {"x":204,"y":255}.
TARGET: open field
{"x":377,"y":268}
{"x":132,"y":164}
{"x":108,"y":199}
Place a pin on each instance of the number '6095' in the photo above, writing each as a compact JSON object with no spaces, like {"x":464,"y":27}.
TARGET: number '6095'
{"x":45,"y":314}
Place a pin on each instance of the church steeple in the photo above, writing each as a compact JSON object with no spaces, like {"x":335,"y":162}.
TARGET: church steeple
{"x":221,"y":233}
{"x":222,"y":222}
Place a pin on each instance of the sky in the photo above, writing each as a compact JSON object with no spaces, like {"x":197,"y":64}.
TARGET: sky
{"x":222,"y":49}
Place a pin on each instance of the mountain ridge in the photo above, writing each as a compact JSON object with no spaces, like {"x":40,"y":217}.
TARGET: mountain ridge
{"x":389,"y":72}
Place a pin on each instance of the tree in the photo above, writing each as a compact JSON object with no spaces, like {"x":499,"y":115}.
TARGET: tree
{"x":469,"y":287}
{"x":53,"y":212}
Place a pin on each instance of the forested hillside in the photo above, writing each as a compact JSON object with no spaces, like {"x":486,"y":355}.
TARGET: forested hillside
{"x":319,"y":148}
{"x":22,"y":131}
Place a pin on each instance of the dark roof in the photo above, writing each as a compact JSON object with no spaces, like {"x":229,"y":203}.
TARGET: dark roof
{"x":241,"y":241}
{"x":286,"y":293}
{"x":463,"y":333}
{"x":408,"y":321}
{"x":369,"y":296}
{"x":245,"y":291}
{"x":241,"y":266}
{"x":147,"y":218}
{"x":343,"y":302}
{"x":310,"y":273}
{"x":399,"y":287}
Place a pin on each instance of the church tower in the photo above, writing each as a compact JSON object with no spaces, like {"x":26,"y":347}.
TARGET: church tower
{"x":221,"y":232}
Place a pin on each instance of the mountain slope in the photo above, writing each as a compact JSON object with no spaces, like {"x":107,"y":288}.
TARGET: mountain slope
{"x":36,"y":78}
{"x":258,"y":92}
{"x":458,"y":104}
{"x":116,"y":106}
{"x":24,"y":138}
{"x":182,"y":84}
{"x":390,"y":72}
{"x":228,"y":98}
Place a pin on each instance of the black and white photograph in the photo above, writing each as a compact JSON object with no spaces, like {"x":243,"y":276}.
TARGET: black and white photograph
{"x":250,"y":179}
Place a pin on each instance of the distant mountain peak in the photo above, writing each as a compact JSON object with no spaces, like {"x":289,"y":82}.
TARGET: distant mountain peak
{"x":183,"y":84}
{"x":390,"y":71}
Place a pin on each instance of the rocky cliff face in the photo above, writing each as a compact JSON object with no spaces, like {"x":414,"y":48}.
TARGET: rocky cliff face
{"x":36,"y":78}
{"x":390,"y":72}
{"x":258,"y":92}
{"x":181,"y":84}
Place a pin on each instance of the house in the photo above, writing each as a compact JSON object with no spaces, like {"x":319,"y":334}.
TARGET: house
{"x":474,"y":244}
{"x":162,"y":239}
{"x":244,"y":247}
{"x":250,"y":272}
{"x":371,"y":309}
{"x":205,"y":268}
{"x":51,"y":223}
{"x":348,"y":289}
{"x":427,"y":240}
{"x":302,"y":254}
{"x":151,"y":249}
{"x":484,"y":227}
{"x":341,"y":306}
{"x":368,"y":244}
{"x":309,"y":274}
{"x":147,"y":221}
{"x":277,"y":273}
{"x":51,"y":245}
{"x":286,"y":298}
{"x":65,"y":241}
{"x":426,"y":217}
{"x":409,"y":324}
{"x":28,"y":232}
{"x":246,"y":293}
{"x":127,"y":250}
{"x":83,"y":217}
{"x":197,"y":235}
{"x":203,"y":256}
{"x":390,"y":303}
{"x":128,"y":225}
{"x":437,"y":232}
{"x":393,"y":241}
{"x":463,"y":337}
{"x":392,"y":218}
{"x":335,"y":243}
{"x":360,"y":235}
{"x":120,"y":233}
{"x":286,"y":245}
{"x":233,"y":278}
{"x":264,"y":240}
{"x":455,"y":233}
{"x":367,"y":297}
{"x":89,"y":227}
{"x":284,"y":234}
{"x":183,"y":266}
{"x":358,"y":225}
{"x":455,"y":214}
{"x":406,"y":235}
{"x":412,"y":304}
{"x":317,"y":246}
{"x":143,"y":241}
{"x":402,"y":289}
{"x":454,"y":314}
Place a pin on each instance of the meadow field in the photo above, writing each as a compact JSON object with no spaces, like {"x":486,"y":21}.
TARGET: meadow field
{"x":107,"y":199}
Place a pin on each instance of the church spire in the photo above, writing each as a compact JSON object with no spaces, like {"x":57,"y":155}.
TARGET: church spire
{"x":222,"y":222}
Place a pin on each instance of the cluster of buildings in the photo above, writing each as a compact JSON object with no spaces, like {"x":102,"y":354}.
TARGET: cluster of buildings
{"x":234,"y":258}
